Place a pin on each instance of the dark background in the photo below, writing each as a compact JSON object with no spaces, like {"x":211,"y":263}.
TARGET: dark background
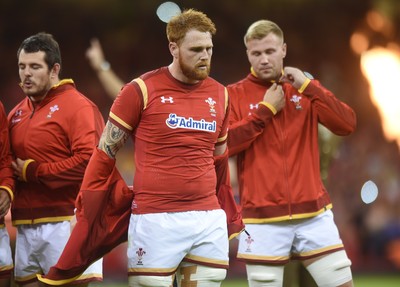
{"x":317,"y":33}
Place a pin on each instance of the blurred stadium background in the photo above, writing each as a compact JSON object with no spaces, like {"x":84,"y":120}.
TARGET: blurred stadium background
{"x":352,"y":47}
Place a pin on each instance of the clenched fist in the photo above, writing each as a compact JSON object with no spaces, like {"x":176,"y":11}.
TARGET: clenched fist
{"x":275,"y":97}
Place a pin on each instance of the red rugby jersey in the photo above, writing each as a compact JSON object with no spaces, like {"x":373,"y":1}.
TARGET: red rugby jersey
{"x":175,"y":128}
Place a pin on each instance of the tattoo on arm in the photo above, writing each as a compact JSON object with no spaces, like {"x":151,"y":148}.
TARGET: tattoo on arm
{"x":112,"y":139}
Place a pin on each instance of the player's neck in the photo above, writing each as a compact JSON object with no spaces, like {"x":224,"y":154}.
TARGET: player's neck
{"x":177,"y":73}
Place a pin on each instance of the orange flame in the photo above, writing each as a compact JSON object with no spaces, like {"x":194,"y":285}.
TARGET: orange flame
{"x":381,"y":66}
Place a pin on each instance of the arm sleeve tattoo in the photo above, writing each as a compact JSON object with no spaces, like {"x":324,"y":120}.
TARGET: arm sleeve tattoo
{"x":112,"y":139}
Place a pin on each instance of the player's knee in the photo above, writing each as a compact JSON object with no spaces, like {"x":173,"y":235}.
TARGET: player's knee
{"x":201,"y":276}
{"x":331,"y":270}
{"x":208,"y":274}
{"x":264,"y":275}
{"x":150,"y":281}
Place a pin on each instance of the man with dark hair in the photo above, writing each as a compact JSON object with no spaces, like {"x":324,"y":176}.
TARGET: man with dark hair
{"x":53,"y":132}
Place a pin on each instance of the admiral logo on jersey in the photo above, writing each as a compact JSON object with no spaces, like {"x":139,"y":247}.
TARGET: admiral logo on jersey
{"x":177,"y":122}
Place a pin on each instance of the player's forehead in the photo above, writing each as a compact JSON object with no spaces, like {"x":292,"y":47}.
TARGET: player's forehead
{"x":29,"y":58}
{"x":196,"y":38}
{"x":270,"y":41}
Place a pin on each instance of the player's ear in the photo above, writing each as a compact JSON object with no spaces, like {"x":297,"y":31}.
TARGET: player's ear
{"x":284,"y":50}
{"x":55,"y":71}
{"x":173,"y":49}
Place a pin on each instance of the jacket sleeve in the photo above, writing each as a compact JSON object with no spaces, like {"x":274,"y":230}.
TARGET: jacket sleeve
{"x":335,"y":115}
{"x":84,"y":132}
{"x":224,"y":191}
{"x":6,"y":172}
{"x":242,"y":132}
{"x":225,"y":196}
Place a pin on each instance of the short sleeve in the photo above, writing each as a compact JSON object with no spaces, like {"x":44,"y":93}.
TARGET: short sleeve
{"x":127,"y":107}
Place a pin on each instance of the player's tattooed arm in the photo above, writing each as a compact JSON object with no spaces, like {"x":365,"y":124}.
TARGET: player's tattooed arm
{"x":112,"y":139}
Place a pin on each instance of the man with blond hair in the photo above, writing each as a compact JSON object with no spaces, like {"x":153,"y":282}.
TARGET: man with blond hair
{"x":274,"y":135}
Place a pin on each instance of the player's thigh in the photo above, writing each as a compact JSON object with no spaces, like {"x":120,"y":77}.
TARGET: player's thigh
{"x":38,"y":247}
{"x":158,"y":242}
{"x":210,"y":241}
{"x":6,"y":261}
{"x":54,"y":237}
{"x":316,"y":235}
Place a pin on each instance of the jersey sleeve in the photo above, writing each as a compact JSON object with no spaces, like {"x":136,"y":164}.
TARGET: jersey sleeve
{"x":128,"y":106}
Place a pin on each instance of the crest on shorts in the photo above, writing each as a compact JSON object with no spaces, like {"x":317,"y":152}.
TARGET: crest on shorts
{"x":249,"y":241}
{"x":140,"y":253}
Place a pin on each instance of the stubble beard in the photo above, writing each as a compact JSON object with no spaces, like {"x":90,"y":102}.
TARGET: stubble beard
{"x":36,"y":92}
{"x":195,"y":73}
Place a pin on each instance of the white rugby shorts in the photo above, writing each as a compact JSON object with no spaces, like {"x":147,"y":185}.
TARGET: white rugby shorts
{"x":159,"y":242}
{"x":6,"y":262}
{"x":278,"y":242}
{"x":38,"y":248}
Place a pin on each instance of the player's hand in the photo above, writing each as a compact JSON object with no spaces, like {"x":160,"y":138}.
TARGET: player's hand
{"x":275,"y":97}
{"x":95,"y":54}
{"x":18,"y":166}
{"x":4,"y":202}
{"x":293,"y":76}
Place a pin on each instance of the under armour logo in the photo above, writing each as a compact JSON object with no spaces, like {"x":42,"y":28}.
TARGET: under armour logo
{"x":253,"y":106}
{"x":16,"y":118}
{"x":164,"y":99}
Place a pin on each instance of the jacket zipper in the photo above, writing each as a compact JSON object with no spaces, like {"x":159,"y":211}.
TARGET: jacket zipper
{"x":285,"y":167}
{"x":30,"y":117}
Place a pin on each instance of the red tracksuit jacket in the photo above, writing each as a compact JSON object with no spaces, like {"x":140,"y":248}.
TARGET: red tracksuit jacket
{"x":277,"y":156}
{"x":57,"y":136}
{"x":6,"y":172}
